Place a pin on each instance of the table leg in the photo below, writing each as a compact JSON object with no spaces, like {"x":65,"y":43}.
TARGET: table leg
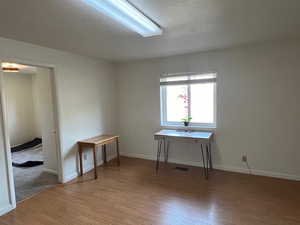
{"x":158,"y":154}
{"x":95,"y":162}
{"x":210,"y":157}
{"x":104,"y":154}
{"x":80,"y":160}
{"x":207,"y":158}
{"x":118,"y":153}
{"x":204,"y":165}
{"x":167,"y":151}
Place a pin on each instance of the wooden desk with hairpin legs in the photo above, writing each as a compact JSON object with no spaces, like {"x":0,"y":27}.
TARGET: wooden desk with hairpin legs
{"x":164,"y":137}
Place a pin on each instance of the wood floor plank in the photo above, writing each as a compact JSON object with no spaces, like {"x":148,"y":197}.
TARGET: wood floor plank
{"x":134,"y":195}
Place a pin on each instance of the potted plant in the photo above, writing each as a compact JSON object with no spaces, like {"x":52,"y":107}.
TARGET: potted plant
{"x":187,"y":121}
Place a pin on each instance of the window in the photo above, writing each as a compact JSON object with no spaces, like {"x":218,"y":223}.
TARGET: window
{"x":184,"y":96}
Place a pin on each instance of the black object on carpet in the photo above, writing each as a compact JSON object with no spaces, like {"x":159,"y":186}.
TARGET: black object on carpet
{"x":33,"y":143}
{"x":28,"y":164}
{"x":30,"y":144}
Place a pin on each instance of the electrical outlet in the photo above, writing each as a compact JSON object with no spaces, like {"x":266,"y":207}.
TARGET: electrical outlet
{"x":84,"y":156}
{"x":244,"y":158}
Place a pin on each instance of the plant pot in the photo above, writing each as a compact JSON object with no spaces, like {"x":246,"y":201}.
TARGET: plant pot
{"x":186,"y":124}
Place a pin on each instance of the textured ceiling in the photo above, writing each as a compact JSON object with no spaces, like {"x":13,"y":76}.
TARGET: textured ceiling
{"x":189,"y":26}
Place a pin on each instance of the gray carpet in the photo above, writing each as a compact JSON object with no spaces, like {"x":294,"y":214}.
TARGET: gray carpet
{"x":29,"y":181}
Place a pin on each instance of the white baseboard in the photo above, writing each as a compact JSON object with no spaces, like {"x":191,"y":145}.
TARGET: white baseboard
{"x":6,"y":209}
{"x":50,"y":171}
{"x":86,"y":168}
{"x":69,"y":177}
{"x":153,"y":157}
{"x":219,"y":167}
{"x":75,"y":174}
{"x":260,"y":172}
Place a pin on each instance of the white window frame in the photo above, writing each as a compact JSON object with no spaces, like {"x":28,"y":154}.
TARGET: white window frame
{"x":163,"y":105}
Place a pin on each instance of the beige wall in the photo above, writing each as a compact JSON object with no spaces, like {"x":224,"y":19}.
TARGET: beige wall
{"x":86,"y":100}
{"x":20,"y":108}
{"x":257,"y":107}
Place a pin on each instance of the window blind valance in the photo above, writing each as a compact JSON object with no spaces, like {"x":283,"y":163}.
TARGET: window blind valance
{"x":182,"y":79}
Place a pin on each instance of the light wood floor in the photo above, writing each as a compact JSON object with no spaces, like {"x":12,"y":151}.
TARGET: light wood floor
{"x":134,"y":195}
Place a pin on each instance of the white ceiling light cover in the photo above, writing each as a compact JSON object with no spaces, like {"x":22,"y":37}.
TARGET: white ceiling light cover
{"x":125,"y":13}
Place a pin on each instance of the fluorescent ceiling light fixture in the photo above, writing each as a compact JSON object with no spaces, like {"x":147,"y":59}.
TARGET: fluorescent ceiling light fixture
{"x":125,"y":13}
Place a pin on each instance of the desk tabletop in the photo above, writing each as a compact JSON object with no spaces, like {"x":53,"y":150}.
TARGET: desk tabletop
{"x":185,"y":134}
{"x":98,"y":139}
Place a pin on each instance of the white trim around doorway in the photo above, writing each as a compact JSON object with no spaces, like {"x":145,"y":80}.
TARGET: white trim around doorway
{"x":3,"y":117}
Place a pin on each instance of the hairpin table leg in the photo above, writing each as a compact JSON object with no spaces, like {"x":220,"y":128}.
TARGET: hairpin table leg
{"x":204,"y":164}
{"x":210,"y":157}
{"x":158,"y":154}
{"x":166,"y":150}
{"x":207,"y":159}
{"x":118,"y":152}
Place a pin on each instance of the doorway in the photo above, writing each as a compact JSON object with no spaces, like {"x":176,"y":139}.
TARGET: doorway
{"x":31,"y":127}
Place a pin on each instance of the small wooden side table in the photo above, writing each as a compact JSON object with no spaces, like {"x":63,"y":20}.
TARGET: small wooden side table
{"x":94,"y":142}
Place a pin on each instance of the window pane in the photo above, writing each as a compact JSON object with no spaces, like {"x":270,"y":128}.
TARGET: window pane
{"x":177,"y":103}
{"x":202,"y":103}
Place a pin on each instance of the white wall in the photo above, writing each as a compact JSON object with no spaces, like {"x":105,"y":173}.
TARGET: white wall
{"x":44,"y":114}
{"x":86,"y":99}
{"x":20,"y":108}
{"x":257,"y":107}
{"x":36,"y":93}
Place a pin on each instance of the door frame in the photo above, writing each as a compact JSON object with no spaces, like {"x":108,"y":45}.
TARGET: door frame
{"x":57,"y":121}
